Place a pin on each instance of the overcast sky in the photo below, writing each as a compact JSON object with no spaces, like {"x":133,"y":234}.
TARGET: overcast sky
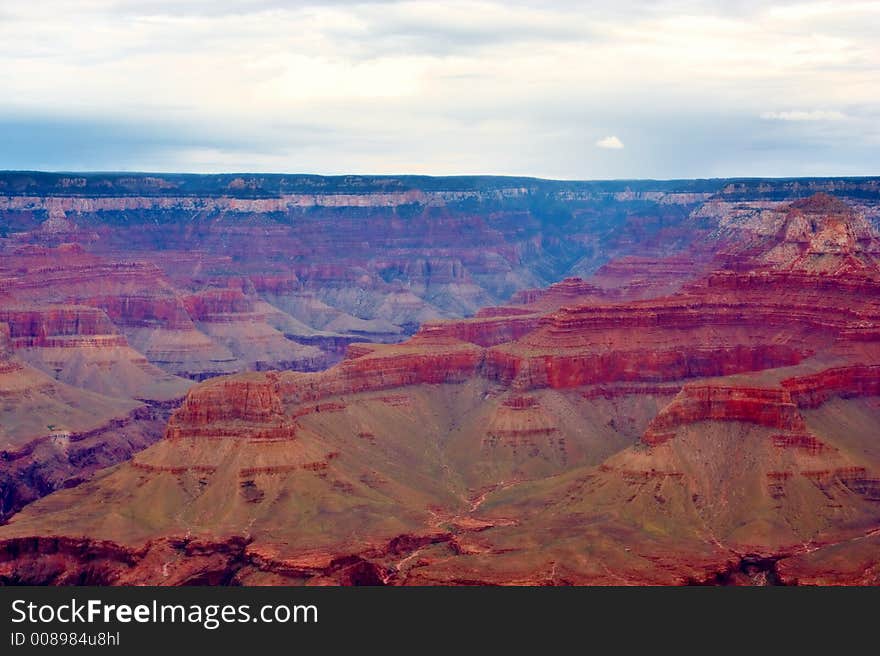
{"x":563,"y":89}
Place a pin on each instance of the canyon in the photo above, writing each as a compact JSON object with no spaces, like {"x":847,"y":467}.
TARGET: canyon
{"x":266,"y":380}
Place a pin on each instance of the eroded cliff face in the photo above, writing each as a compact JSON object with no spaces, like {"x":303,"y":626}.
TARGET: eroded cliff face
{"x":120,"y":290}
{"x":813,"y":390}
{"x":695,"y":403}
{"x":589,"y":433}
{"x":248,"y":408}
{"x":55,"y":434}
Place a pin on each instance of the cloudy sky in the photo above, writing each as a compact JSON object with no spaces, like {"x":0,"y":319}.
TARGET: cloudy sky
{"x":553,"y":88}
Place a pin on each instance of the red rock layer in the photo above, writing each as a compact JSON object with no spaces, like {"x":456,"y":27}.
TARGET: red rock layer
{"x":485,"y":330}
{"x":642,"y":365}
{"x":68,"y":272}
{"x":813,"y":390}
{"x":5,"y":342}
{"x":60,"y":326}
{"x":801,"y":441}
{"x":558,"y":294}
{"x":277,"y":285}
{"x":767,"y":407}
{"x":156,"y":318}
{"x":134,"y":310}
{"x":618,"y":391}
{"x":216,"y":304}
{"x":376,"y":367}
{"x":249,"y":407}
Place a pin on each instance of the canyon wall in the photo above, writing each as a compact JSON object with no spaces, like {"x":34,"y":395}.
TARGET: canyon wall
{"x":481,"y":380}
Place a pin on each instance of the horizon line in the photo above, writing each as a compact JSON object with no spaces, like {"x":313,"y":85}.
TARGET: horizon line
{"x":457,"y":176}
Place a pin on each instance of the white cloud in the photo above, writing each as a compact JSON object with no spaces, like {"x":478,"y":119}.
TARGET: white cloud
{"x":611,"y":143}
{"x":449,"y":86}
{"x":801,"y":115}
